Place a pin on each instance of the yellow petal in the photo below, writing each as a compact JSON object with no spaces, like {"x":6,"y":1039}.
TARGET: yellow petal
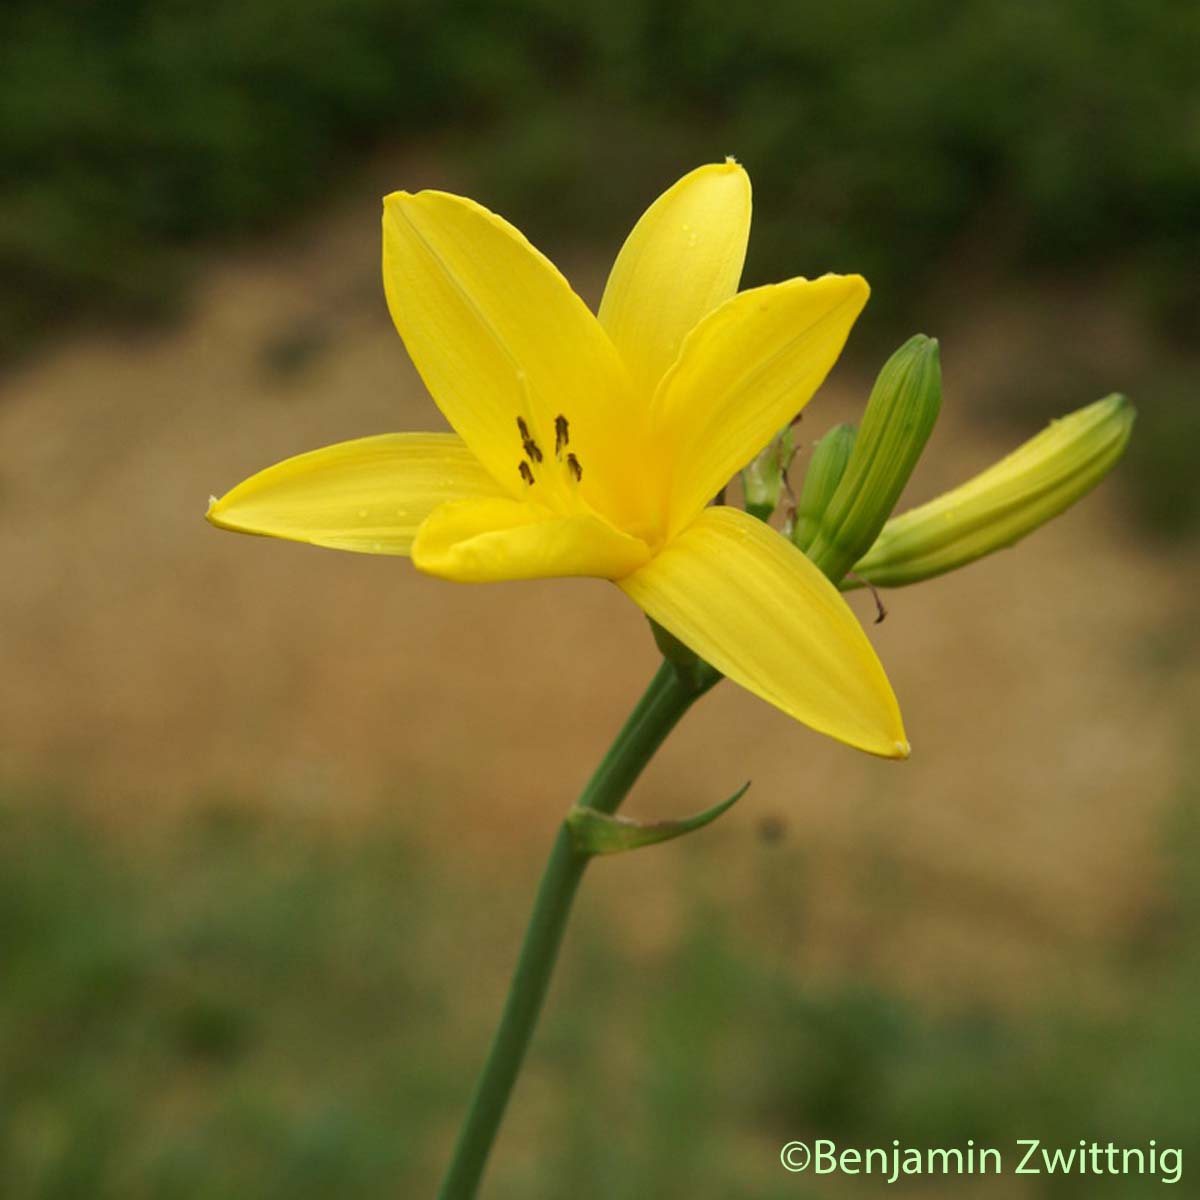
{"x":484,"y":541}
{"x":746,"y":600}
{"x":743,"y":373}
{"x":497,"y":334}
{"x":369,"y":495}
{"x":683,"y":259}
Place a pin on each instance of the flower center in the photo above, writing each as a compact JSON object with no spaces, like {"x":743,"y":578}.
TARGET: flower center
{"x":566,"y":466}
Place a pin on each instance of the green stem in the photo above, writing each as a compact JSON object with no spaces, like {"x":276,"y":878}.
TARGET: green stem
{"x":668,"y":697}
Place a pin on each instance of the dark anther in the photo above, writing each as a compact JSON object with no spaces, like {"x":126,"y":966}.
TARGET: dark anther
{"x":526,"y":472}
{"x":533,"y":451}
{"x":574,"y":467}
{"x":880,"y":609}
{"x":560,"y":435}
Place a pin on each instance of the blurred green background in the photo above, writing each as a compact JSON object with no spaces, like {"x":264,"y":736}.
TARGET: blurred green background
{"x":233,"y":1018}
{"x":934,"y":147}
{"x":257,"y":907}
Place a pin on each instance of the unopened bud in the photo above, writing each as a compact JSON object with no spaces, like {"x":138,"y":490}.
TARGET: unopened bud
{"x":899,"y":418}
{"x":996,"y":509}
{"x":762,"y":480}
{"x":826,"y":466}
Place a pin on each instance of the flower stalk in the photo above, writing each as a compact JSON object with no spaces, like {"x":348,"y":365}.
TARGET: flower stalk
{"x":670,"y":694}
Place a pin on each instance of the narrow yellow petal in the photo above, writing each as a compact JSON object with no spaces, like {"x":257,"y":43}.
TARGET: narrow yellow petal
{"x":746,"y":600}
{"x":369,"y":495}
{"x":485,"y":541}
{"x":497,"y":334}
{"x":683,"y":259}
{"x":743,"y":373}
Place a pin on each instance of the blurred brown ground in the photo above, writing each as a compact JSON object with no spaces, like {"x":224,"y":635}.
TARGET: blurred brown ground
{"x":156,"y":662}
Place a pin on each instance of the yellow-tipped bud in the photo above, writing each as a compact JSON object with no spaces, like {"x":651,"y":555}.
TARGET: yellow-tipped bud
{"x":899,"y":418}
{"x":1007,"y":501}
{"x":825,"y":470}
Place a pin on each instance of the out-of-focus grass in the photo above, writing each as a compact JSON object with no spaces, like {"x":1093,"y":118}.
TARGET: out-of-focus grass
{"x":247,"y":1006}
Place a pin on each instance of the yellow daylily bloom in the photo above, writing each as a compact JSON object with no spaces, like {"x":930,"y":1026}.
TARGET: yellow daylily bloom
{"x":592,"y":444}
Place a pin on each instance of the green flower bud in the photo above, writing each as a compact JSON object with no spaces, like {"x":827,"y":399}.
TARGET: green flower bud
{"x":900,"y":415}
{"x":762,"y":480}
{"x":825,"y":470}
{"x":996,"y":509}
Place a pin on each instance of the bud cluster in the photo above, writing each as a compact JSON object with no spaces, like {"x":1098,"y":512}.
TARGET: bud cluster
{"x":843,"y":517}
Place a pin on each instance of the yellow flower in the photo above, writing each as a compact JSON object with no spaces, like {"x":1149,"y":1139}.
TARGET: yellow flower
{"x":591,"y":444}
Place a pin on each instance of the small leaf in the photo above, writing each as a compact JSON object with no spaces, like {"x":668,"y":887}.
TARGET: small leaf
{"x":595,"y":832}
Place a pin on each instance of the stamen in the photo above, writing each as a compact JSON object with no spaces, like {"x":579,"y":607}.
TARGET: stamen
{"x":789,"y":491}
{"x":526,"y":472}
{"x":561,"y":435}
{"x":533,"y":451}
{"x":880,"y":611}
{"x":574,"y":467}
